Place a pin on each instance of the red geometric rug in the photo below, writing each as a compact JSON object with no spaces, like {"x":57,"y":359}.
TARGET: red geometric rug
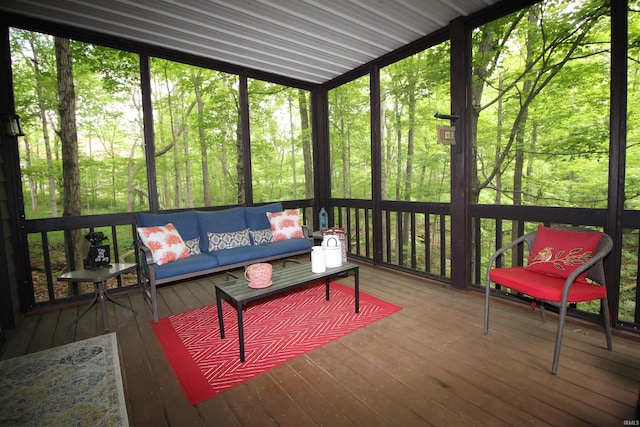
{"x":276,"y":330}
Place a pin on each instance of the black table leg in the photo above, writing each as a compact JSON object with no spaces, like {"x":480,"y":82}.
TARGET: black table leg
{"x":107,"y":296}
{"x":103,"y":305}
{"x":220,"y":320}
{"x":95,"y":300}
{"x":327,"y":286}
{"x":240,"y":332}
{"x":357,"y":289}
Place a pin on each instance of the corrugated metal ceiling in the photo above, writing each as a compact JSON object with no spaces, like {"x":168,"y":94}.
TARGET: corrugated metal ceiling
{"x":310,"y":40}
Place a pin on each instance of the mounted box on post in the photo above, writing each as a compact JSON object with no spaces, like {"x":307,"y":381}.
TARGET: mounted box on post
{"x":446,"y":135}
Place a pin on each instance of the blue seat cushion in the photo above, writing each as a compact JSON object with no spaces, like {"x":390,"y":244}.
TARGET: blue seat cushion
{"x":185,"y":222}
{"x":256,"y":216}
{"x":283,"y":246}
{"x":239,"y":255}
{"x":186,"y":266}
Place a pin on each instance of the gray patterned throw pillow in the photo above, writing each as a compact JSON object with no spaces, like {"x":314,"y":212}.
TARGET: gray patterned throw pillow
{"x":193,"y":245}
{"x":229,"y":240}
{"x":261,"y":236}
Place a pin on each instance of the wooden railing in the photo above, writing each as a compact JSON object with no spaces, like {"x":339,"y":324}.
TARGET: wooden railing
{"x":414,"y":237}
{"x":45,"y":250}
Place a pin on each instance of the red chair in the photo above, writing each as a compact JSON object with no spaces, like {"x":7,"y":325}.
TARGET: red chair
{"x":560,"y":262}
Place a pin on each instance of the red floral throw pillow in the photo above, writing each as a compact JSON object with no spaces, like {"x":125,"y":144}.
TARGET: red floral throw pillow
{"x":285,"y":225}
{"x":165,"y":243}
{"x":559,"y":252}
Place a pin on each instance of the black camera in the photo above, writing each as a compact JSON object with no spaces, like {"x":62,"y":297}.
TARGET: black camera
{"x":99,"y":254}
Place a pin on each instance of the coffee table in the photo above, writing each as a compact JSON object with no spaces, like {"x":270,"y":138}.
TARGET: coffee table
{"x":99,"y":278}
{"x":284,"y":279}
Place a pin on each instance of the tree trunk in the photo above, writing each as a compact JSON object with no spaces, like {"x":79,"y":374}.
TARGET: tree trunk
{"x":45,"y":128}
{"x":69,"y":141}
{"x":398,"y":117}
{"x":498,"y":198}
{"x":521,"y":124}
{"x":479,"y":72}
{"x":177,"y":196}
{"x":385,"y":145}
{"x":293,"y":149}
{"x":31,"y":182}
{"x":131,"y":173}
{"x":188,"y":190}
{"x":532,"y":147}
{"x":306,"y":143}
{"x":240,"y":198}
{"x":485,"y":60}
{"x":345,"y":161}
{"x":520,"y":128}
{"x":204,"y":161}
{"x":408,"y":180}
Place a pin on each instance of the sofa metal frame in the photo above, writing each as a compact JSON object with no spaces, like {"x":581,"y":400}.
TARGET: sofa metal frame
{"x":150,"y":283}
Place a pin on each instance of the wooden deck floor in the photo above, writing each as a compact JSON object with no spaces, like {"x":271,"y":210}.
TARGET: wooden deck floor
{"x":429,"y":364}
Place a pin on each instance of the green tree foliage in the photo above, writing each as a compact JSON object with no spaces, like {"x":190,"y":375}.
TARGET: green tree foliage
{"x":350,"y":140}
{"x":415,"y":167}
{"x":540,"y":102}
{"x":632,"y":178}
{"x":280,"y":145}
{"x":108,"y":125}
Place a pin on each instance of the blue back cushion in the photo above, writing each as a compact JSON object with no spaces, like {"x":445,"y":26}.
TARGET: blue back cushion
{"x":223,"y":221}
{"x":185,"y":222}
{"x":256,"y":216}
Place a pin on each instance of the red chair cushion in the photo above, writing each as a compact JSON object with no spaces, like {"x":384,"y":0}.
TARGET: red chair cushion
{"x":560,"y":252}
{"x":543,"y":286}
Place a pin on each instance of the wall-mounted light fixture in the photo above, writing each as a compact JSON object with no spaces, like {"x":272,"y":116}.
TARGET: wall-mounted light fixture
{"x":11,"y":125}
{"x":452,"y":117}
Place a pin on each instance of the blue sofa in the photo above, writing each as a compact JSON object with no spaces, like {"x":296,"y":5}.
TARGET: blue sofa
{"x":194,"y":224}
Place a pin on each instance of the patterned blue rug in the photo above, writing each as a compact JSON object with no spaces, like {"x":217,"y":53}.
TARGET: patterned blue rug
{"x":77,"y":384}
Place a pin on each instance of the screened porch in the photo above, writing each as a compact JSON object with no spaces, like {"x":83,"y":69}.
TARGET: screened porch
{"x":422,"y":214}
